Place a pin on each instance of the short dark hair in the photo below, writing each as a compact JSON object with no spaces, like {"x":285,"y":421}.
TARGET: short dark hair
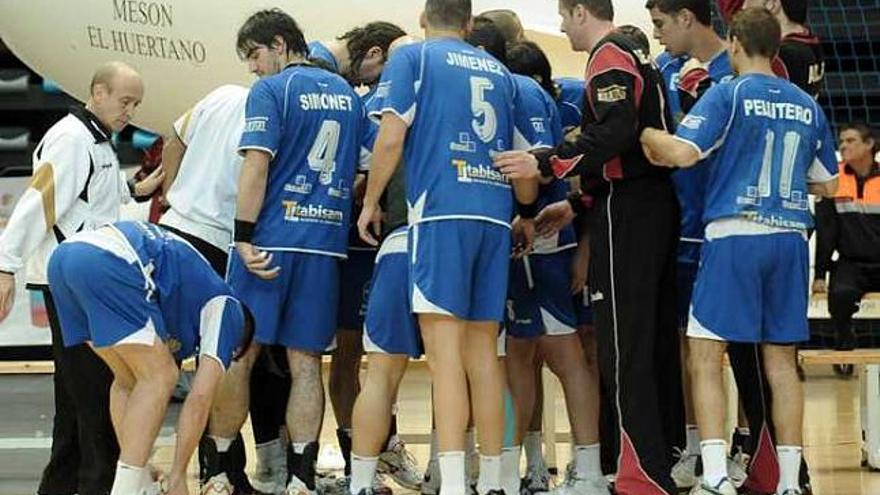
{"x":507,"y":22}
{"x":637,"y":36}
{"x":601,"y":9}
{"x":448,"y":13}
{"x":865,"y":132}
{"x":702,"y":9}
{"x":796,"y":10}
{"x":360,"y":39}
{"x":262,"y":27}
{"x":485,"y":34}
{"x":758,"y":32}
{"x":528,"y":59}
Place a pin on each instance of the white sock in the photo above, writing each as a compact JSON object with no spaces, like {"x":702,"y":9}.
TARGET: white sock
{"x":714,"y":461}
{"x":299,"y":447}
{"x":789,"y":467}
{"x":363,"y":470}
{"x":452,"y":473}
{"x":129,"y":479}
{"x":490,"y":474}
{"x":434,"y":448}
{"x":693,"y":440}
{"x":222,"y":444}
{"x":510,"y":458}
{"x":532,"y":443}
{"x":588,"y":462}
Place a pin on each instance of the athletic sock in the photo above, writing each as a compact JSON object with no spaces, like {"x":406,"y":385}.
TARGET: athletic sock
{"x":532,"y":444}
{"x":452,"y":473}
{"x":363,"y":470}
{"x":129,"y":479}
{"x":588,"y":462}
{"x":490,"y":474}
{"x":789,"y":467}
{"x":510,"y":479}
{"x":693,"y":440}
{"x":714,"y":454}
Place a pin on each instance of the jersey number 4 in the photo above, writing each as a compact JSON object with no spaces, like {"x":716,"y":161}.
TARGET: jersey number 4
{"x":322,"y":156}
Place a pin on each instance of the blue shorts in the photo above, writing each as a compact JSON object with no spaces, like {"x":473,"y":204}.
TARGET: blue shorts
{"x":354,"y":288}
{"x":539,"y":300}
{"x":101,"y":298}
{"x":459,"y":268}
{"x":752,"y":288}
{"x":297,"y":309}
{"x":685,"y":278}
{"x":390,"y":326}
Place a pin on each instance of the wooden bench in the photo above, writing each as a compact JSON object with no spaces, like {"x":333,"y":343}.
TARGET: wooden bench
{"x":869,"y":309}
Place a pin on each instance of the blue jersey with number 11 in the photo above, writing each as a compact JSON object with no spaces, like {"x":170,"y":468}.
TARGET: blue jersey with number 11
{"x":458,"y":103}
{"x":311,"y":122}
{"x":770,"y":140}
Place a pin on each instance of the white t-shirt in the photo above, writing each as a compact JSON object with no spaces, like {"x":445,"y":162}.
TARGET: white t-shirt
{"x":203,"y":195}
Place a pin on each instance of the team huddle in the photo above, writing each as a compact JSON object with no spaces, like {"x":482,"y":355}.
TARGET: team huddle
{"x":449,"y":198}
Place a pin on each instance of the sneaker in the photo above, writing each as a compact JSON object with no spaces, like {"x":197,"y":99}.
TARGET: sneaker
{"x":217,"y":485}
{"x":400,"y":464}
{"x":537,"y":480}
{"x":270,"y":474}
{"x":297,"y":487}
{"x":684,"y":472}
{"x":431,"y":481}
{"x":331,"y":485}
{"x":581,"y":486}
{"x":736,"y":472}
{"x":793,"y":491}
{"x":724,"y":487}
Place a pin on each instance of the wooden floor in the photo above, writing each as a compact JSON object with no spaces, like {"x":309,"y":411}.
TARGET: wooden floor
{"x":832,"y":431}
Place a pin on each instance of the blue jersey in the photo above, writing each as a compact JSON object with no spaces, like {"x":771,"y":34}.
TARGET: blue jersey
{"x":458,"y":103}
{"x":319,"y":51}
{"x":538,"y":125}
{"x":311,"y":122}
{"x":690,"y":183}
{"x":570,"y":101}
{"x":768,"y":141}
{"x":196,"y":303}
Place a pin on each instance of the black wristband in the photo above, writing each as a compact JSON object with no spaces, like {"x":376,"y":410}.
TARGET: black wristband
{"x":527,"y":212}
{"x":131,"y":183}
{"x":244,"y":231}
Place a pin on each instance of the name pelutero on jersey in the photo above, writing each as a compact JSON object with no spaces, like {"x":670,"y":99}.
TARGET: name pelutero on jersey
{"x":472,"y":62}
{"x":325,"y":101}
{"x":778,"y":110}
{"x":468,"y":173}
{"x":296,"y":212}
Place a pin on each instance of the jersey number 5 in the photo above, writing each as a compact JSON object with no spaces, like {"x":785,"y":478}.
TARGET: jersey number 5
{"x":482,"y":108}
{"x":322,"y":156}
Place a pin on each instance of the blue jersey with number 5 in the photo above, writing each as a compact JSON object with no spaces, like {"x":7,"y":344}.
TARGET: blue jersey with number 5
{"x":311,"y":123}
{"x":458,"y":103}
{"x":769,"y":140}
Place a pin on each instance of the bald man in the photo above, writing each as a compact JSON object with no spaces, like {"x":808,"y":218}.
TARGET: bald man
{"x":76,"y":186}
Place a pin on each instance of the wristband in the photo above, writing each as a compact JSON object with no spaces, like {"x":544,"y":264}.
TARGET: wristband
{"x":527,"y":212}
{"x":244,"y":231}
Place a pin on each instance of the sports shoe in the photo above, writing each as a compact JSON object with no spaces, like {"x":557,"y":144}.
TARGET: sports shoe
{"x":736,"y":472}
{"x":270,"y":474}
{"x":582,"y":486}
{"x":724,"y":487}
{"x":431,"y":482}
{"x":217,"y":485}
{"x":297,"y":487}
{"x":684,"y":472}
{"x":400,"y":464}
{"x":793,"y":491}
{"x":537,"y":480}
{"x":331,"y":485}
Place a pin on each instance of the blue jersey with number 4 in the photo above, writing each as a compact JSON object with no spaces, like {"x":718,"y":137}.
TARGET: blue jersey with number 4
{"x":769,"y":140}
{"x":311,"y":122}
{"x":458,"y":103}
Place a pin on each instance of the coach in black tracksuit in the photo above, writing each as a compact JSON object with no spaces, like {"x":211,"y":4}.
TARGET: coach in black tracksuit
{"x":634,"y":237}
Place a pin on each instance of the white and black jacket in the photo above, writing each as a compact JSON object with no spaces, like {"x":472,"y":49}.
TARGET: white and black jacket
{"x":77,"y":185}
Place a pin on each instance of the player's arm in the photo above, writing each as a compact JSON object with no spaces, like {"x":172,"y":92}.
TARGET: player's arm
{"x":194,"y":416}
{"x":665,"y":150}
{"x":173,"y":150}
{"x":387,"y":154}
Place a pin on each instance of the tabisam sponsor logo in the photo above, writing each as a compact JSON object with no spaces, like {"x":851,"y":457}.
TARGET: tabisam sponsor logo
{"x":485,"y":174}
{"x":296,"y":212}
{"x":611,"y":94}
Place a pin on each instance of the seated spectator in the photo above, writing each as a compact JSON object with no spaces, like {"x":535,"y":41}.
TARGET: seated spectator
{"x":850,"y":225}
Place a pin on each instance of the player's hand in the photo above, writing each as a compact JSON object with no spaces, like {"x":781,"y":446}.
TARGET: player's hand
{"x":371,"y":215}
{"x":523,"y":237}
{"x":7,"y":294}
{"x":150,"y":183}
{"x":517,"y":165}
{"x":553,"y":217}
{"x":257,"y":262}
{"x":819,"y":286}
{"x":580,"y":265}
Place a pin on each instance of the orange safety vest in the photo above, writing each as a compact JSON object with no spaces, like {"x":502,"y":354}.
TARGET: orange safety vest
{"x":848,"y":199}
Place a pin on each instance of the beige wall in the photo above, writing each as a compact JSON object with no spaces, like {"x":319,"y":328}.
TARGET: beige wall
{"x":185,"y":48}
